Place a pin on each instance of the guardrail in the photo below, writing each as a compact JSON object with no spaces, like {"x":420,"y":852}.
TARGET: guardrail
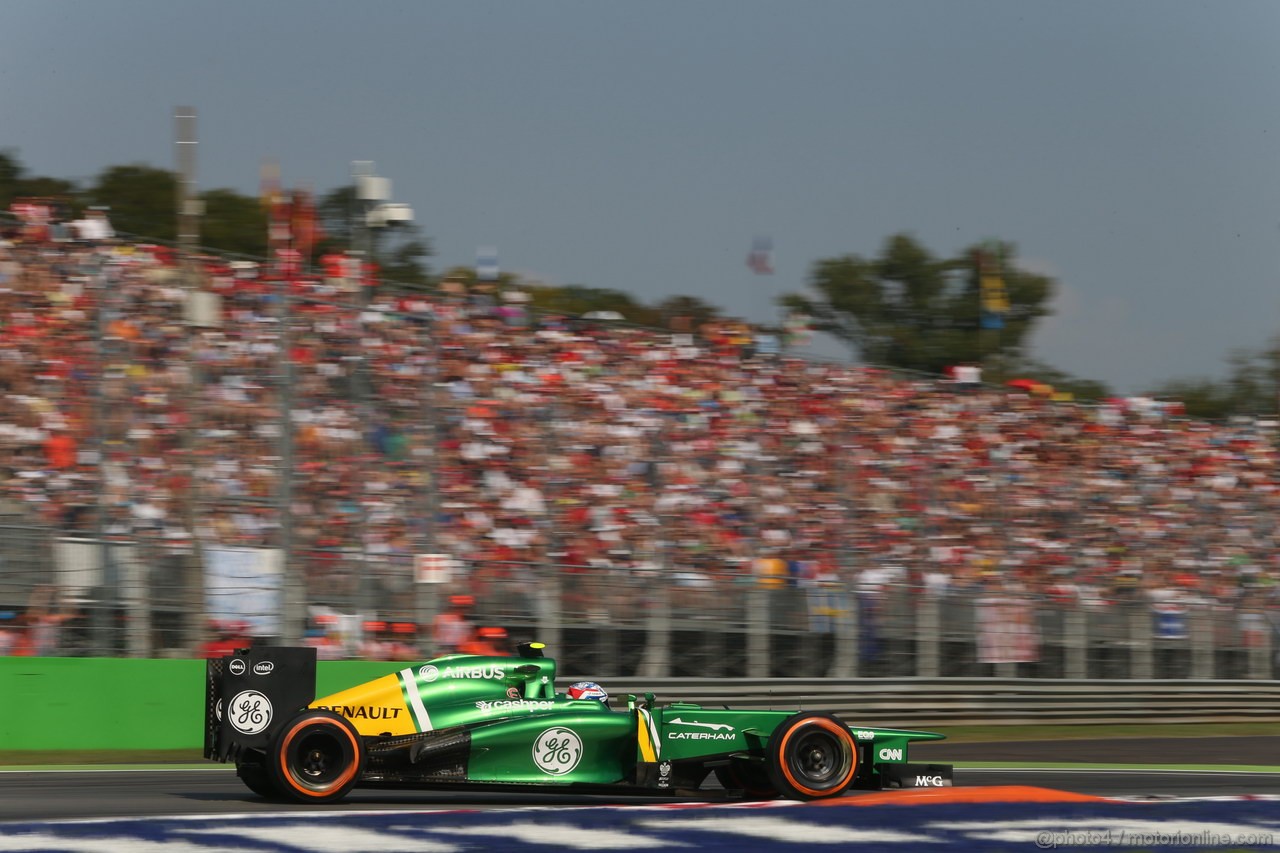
{"x":978,"y":701}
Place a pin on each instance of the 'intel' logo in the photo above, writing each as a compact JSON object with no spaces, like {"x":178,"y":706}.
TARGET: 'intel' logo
{"x":236,"y":667}
{"x":263,"y":668}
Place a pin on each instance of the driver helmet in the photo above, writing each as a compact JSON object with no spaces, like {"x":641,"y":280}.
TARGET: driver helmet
{"x":588,"y":690}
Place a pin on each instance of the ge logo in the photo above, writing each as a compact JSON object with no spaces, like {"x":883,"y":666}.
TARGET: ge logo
{"x":429,"y":673}
{"x":249,"y":712}
{"x":557,"y":751}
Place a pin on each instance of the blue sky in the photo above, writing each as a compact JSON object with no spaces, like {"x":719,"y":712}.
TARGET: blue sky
{"x":1130,"y":148}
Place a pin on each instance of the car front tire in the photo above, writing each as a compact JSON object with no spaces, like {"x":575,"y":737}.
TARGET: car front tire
{"x":812,"y":756}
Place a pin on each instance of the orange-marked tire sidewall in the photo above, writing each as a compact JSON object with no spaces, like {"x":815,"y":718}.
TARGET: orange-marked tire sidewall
{"x":841,"y":734}
{"x":286,"y":741}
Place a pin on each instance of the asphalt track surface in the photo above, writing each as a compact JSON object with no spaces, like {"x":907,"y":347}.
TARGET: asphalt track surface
{"x":63,"y":794}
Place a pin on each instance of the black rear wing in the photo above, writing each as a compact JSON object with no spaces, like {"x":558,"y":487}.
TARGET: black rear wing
{"x":250,"y":694}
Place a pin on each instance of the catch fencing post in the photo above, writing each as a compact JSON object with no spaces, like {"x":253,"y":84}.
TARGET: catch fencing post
{"x":758,"y":631}
{"x":657,"y":659}
{"x":928,"y":636}
{"x":1260,"y":652}
{"x":1074,"y":642}
{"x":551,"y":608}
{"x":1141,"y":657}
{"x":1200,"y":623}
{"x":845,"y":657}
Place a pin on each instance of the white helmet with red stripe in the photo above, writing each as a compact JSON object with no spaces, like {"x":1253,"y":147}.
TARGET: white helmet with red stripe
{"x":588,"y":690}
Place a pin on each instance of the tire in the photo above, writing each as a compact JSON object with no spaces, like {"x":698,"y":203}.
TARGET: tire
{"x":315,"y":758}
{"x":812,"y":756}
{"x":749,"y":777}
{"x":255,"y":777}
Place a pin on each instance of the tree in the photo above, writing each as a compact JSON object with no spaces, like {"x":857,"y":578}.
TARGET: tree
{"x":400,"y":251}
{"x":405,"y":262}
{"x":10,"y":178}
{"x":233,"y":222}
{"x":1252,"y":386}
{"x":577,"y":299}
{"x":15,"y":184}
{"x":1079,"y":389}
{"x":685,"y":313}
{"x":1254,"y":379}
{"x":52,"y":188}
{"x":336,"y":211}
{"x":143,"y":200}
{"x":912,"y":310}
{"x":1200,"y":398}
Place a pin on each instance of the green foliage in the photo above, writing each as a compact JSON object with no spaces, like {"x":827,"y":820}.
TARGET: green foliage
{"x":577,"y":299}
{"x":682,"y":313}
{"x":405,"y":263}
{"x":1252,"y":387}
{"x":143,"y":200}
{"x":233,"y":222}
{"x":1255,"y":379}
{"x":336,"y":211}
{"x":10,"y":176}
{"x":52,"y":188}
{"x":401,"y":252}
{"x":1202,"y":398}
{"x":1084,"y":390}
{"x":912,"y":310}
{"x":16,"y":184}
{"x":685,"y":312}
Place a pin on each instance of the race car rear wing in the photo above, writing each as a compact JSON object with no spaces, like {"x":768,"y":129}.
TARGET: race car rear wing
{"x":250,"y":694}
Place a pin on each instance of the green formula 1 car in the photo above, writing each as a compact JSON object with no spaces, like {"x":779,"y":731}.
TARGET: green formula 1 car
{"x":465,"y":720}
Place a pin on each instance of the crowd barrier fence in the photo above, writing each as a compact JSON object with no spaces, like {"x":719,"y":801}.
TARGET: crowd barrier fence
{"x":622,"y":624}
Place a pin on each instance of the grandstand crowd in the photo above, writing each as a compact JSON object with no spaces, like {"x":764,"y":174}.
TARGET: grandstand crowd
{"x":630,"y":456}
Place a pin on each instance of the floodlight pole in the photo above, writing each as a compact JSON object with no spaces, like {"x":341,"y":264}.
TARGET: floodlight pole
{"x":189,"y":212}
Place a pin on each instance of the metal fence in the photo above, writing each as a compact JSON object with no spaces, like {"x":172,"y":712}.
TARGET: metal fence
{"x":642,"y":627}
{"x":253,"y":451}
{"x":982,"y":701}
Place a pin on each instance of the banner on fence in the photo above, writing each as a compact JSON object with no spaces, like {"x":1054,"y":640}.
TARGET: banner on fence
{"x":245,"y":585}
{"x":1007,"y":631}
{"x":432,"y":568}
{"x":1170,"y":620}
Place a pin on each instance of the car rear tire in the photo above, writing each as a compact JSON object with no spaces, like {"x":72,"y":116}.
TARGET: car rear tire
{"x":812,"y":756}
{"x":749,"y":777}
{"x":316,"y":758}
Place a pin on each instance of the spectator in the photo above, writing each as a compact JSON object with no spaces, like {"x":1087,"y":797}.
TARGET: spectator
{"x":452,"y":628}
{"x":618,"y":452}
{"x":489,"y":641}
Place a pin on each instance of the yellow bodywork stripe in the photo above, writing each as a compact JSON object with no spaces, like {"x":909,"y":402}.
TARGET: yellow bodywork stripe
{"x":647,"y":737}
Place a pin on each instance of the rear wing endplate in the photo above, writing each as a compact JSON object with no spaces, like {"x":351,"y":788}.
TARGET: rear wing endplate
{"x":250,"y":694}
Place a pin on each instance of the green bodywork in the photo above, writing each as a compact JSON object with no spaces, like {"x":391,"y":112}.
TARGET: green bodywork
{"x":501,"y":720}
